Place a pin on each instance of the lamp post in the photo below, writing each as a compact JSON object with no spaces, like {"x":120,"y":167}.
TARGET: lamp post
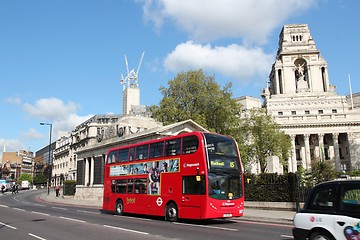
{"x":50,"y":160}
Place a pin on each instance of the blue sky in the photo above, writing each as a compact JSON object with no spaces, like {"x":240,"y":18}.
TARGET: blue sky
{"x":61,"y":61}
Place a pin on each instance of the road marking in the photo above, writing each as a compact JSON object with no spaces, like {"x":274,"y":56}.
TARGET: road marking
{"x":87,"y":212}
{"x":46,"y":214}
{"x":144,"y":219}
{"x":19,"y":209}
{"x":202,"y":226}
{"x":127,"y":230}
{"x":40,"y":205}
{"x":4,"y":224}
{"x":60,"y":208}
{"x":265,"y":223}
{"x":287,"y":236}
{"x":35,"y":236}
{"x":73,"y":219}
{"x":4,"y":206}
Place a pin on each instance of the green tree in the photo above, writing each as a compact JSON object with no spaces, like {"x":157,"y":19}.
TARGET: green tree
{"x":321,"y":171}
{"x":40,"y":178}
{"x":193,"y":95}
{"x":260,"y":137}
{"x":25,"y":176}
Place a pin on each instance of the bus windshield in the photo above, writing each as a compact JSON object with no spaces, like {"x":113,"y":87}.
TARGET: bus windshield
{"x":225,"y":186}
{"x":221,"y":152}
{"x":224,"y":167}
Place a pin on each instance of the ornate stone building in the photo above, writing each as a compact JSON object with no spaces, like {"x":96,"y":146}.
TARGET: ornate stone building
{"x":321,"y":124}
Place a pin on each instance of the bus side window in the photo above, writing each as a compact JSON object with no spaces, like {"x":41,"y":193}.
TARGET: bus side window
{"x":130,"y":186}
{"x":172,"y":147}
{"x":193,"y":185}
{"x":190,"y":144}
{"x":121,"y":186}
{"x":112,"y":157}
{"x":156,"y":149}
{"x":142,"y":152}
{"x":140,"y":186}
{"x":132,"y":154}
{"x":123,"y":155}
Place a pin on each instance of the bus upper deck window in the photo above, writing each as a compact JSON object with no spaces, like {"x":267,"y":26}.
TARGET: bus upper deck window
{"x":112,"y":157}
{"x":123,"y":155}
{"x":190,"y":144}
{"x":142,"y":152}
{"x":131,"y":154}
{"x":172,"y":147}
{"x":156,"y":149}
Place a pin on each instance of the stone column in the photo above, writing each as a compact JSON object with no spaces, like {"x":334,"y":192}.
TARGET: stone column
{"x":321,"y":146}
{"x":336,"y":151}
{"x":293,"y":164}
{"x":92,"y":170}
{"x":307,"y":151}
{"x":309,"y":77}
{"x":86,"y":182}
{"x":326,"y":79}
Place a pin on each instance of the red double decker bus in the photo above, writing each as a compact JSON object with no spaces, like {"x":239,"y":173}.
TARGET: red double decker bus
{"x":192,"y":175}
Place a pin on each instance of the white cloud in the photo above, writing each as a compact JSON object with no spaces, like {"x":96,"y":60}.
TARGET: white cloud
{"x":207,"y":20}
{"x":62,"y":116}
{"x":50,"y":108}
{"x":248,"y":23}
{"x":32,"y":134}
{"x":11,"y":145}
{"x":233,"y":61}
{"x":13,"y":100}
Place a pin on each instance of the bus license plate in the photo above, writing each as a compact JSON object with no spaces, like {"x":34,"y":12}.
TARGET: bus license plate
{"x":227,"y":215}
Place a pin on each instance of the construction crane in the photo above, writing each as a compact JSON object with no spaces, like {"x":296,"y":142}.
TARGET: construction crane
{"x":131,"y":79}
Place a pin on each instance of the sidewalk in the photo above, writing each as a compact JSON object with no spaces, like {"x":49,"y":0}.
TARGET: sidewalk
{"x":251,"y":213}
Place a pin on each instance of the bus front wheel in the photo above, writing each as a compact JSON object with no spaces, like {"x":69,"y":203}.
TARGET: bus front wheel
{"x":171,"y":212}
{"x":119,"y":208}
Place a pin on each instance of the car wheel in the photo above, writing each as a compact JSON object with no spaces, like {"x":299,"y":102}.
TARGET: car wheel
{"x":321,"y":235}
{"x":171,"y":212}
{"x":119,"y":207}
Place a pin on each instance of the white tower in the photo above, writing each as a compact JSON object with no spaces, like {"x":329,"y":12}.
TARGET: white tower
{"x":131,"y":90}
{"x":307,"y":107}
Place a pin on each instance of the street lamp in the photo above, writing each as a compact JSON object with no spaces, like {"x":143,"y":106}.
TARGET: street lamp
{"x":50,"y":160}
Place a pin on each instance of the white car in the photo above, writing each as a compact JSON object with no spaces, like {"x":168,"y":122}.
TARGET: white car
{"x":331,"y":211}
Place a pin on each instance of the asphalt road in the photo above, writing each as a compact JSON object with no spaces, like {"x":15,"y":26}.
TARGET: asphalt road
{"x":25,"y":216}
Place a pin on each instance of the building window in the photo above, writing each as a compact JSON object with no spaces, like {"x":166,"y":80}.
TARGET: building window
{"x":280,"y":113}
{"x":334,"y":111}
{"x":293,"y":112}
{"x":307,"y":111}
{"x":321,"y":111}
{"x":297,"y":38}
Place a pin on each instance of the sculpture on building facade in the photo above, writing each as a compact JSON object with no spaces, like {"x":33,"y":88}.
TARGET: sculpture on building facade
{"x":301,"y":83}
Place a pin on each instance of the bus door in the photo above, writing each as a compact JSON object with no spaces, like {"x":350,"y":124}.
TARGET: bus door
{"x":193,"y":196}
{"x":135,"y":196}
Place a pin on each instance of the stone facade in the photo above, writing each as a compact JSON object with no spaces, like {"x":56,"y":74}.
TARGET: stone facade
{"x":301,"y":99}
{"x":64,"y":160}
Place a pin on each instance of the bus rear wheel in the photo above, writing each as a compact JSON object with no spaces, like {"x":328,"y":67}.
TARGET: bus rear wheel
{"x":171,"y":212}
{"x":119,"y":207}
